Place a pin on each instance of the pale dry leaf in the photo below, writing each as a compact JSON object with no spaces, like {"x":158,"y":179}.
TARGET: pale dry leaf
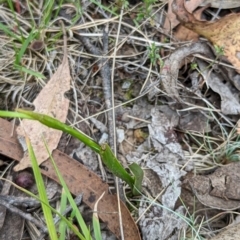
{"x":158,"y":223}
{"x":161,"y":222}
{"x":50,"y":101}
{"x":183,"y":34}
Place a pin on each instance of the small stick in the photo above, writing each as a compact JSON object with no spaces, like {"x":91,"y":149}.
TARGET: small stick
{"x":20,"y":201}
{"x":106,"y":76}
{"x":24,"y":215}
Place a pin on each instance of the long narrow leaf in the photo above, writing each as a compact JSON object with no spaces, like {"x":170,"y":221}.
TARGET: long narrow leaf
{"x":42,"y":193}
{"x":8,"y":32}
{"x":104,"y":150}
{"x":78,"y":215}
{"x":54,"y":123}
{"x":29,"y":71}
{"x":10,"y":114}
{"x":24,"y":46}
{"x":62,"y":225}
{"x":77,"y":233}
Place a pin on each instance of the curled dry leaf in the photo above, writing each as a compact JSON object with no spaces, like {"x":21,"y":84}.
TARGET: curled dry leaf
{"x":223,"y":33}
{"x":171,"y":68}
{"x":50,"y":101}
{"x":229,"y":102}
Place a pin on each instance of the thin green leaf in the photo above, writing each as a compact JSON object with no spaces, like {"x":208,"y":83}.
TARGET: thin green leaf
{"x":78,"y":215}
{"x":54,"y":123}
{"x":103,"y":7}
{"x":77,"y":233}
{"x":62,"y":225}
{"x":29,"y":7}
{"x":29,"y":71}
{"x":24,"y":46}
{"x":104,"y":150}
{"x":11,"y":114}
{"x":47,"y":12}
{"x":9,"y":32}
{"x":42,"y":193}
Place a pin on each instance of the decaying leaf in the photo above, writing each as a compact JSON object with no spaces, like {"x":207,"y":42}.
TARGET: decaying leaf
{"x":160,"y":222}
{"x":223,"y":33}
{"x":220,"y":189}
{"x":50,"y":101}
{"x":195,"y":121}
{"x":229,"y":102}
{"x":184,"y":34}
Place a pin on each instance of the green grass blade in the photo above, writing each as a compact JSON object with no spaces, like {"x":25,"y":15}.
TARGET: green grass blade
{"x":77,"y":233}
{"x":25,"y":45}
{"x":42,"y":193}
{"x":47,"y":12}
{"x":62,"y":225}
{"x":58,"y":9}
{"x":33,"y":23}
{"x":29,"y":71}
{"x":9,"y":32}
{"x":104,"y":150}
{"x":11,"y":114}
{"x":98,"y":3}
{"x":78,"y":215}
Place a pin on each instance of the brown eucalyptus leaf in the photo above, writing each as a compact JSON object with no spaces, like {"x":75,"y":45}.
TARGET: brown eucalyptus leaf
{"x":223,"y":33}
{"x":50,"y":101}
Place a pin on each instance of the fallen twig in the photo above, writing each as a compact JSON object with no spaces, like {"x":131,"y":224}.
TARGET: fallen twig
{"x":106,"y":77}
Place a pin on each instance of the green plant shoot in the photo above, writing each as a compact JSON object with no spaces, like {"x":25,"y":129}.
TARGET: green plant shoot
{"x":108,"y":158}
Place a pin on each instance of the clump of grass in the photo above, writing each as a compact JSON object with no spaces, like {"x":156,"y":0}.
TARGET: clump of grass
{"x":24,"y":69}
